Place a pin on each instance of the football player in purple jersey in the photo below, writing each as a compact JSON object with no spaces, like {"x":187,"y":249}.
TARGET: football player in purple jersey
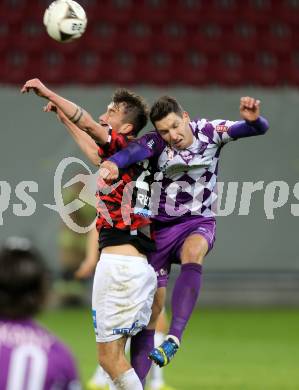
{"x":31,"y":358}
{"x":186,"y":153}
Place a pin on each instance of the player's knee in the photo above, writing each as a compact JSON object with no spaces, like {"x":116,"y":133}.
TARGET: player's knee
{"x":194,"y":250}
{"x":108,"y":363}
{"x":193,"y":254}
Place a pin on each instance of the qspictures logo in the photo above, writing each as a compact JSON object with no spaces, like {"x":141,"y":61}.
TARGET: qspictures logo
{"x":233,"y":197}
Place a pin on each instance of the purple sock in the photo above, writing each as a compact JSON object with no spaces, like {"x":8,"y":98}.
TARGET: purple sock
{"x":141,"y":345}
{"x":184,"y":297}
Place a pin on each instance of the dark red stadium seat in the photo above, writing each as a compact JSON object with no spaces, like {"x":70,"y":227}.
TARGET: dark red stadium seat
{"x":16,"y":66}
{"x":172,"y":38}
{"x":90,"y":68}
{"x":4,"y":37}
{"x":123,"y":68}
{"x":207,"y":37}
{"x":137,"y":37}
{"x":193,"y":69}
{"x":276,"y":38}
{"x":115,"y":11}
{"x":102,"y":37}
{"x":53,"y":67}
{"x":289,"y":68}
{"x":288,"y":11}
{"x":31,"y":36}
{"x":228,"y":69}
{"x":194,"y":12}
{"x":264,"y":70}
{"x":12,"y":11}
{"x":151,"y":11}
{"x":158,"y":68}
{"x":242,"y":38}
{"x":258,"y":12}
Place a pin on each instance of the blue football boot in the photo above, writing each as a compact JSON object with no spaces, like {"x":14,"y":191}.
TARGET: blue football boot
{"x":165,"y":352}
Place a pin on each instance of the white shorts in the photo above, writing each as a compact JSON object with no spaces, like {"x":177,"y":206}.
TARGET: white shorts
{"x":122,"y":297}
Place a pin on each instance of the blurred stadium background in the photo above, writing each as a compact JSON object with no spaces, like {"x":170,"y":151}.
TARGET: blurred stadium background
{"x":207,"y":54}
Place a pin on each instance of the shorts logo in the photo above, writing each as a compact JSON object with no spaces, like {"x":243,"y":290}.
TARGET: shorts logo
{"x":201,"y":229}
{"x":134,"y":329}
{"x":221,"y":128}
{"x":94,"y":320}
{"x":162,"y":272}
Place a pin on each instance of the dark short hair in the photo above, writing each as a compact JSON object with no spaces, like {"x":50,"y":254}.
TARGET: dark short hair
{"x":135,"y":106}
{"x":164,"y":106}
{"x":23,"y":281}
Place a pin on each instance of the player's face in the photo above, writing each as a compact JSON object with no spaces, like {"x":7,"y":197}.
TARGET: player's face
{"x":175,"y":130}
{"x":114,"y":116}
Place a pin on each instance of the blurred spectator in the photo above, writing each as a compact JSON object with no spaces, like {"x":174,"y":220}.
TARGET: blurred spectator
{"x":31,"y":358}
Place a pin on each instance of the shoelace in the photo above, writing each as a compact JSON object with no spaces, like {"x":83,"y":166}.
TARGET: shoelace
{"x":169,"y":347}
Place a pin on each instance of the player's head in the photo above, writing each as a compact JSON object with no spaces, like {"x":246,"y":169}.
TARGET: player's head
{"x":127,"y":113}
{"x":171,"y":122}
{"x":23,"y":280}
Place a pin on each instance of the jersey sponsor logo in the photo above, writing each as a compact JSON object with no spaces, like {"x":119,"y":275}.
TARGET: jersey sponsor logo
{"x":221,"y":128}
{"x":151,"y":143}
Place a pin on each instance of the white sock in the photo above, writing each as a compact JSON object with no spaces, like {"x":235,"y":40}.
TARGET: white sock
{"x":156,"y":373}
{"x":174,"y":338}
{"x":128,"y":381}
{"x":100,"y":378}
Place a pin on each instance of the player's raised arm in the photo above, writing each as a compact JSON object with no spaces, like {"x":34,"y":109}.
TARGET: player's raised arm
{"x":253,"y":123}
{"x":83,"y":140}
{"x":74,"y":113}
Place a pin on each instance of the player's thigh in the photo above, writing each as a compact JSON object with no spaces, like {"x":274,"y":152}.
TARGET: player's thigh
{"x":194,"y":249}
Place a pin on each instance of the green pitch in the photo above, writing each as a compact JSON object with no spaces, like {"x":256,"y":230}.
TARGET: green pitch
{"x":221,"y":350}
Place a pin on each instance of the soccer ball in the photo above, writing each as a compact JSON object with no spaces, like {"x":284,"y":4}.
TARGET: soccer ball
{"x":65,"y":20}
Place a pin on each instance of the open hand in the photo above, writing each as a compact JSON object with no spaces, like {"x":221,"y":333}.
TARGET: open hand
{"x":36,"y":86}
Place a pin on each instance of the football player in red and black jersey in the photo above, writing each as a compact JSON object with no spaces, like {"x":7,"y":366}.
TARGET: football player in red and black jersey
{"x":124,"y":283}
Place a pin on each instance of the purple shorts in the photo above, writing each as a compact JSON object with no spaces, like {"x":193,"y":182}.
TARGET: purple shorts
{"x":170,"y":237}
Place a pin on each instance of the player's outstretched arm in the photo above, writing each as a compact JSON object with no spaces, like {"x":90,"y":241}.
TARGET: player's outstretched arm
{"x":253,"y":123}
{"x":74,"y":113}
{"x":82,"y":139}
{"x":147,"y":146}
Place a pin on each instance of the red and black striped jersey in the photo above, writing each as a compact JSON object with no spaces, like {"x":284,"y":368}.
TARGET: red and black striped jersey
{"x":116,"y":203}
